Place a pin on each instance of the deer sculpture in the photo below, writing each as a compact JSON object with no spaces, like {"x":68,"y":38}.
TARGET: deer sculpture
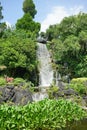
{"x":8,"y":79}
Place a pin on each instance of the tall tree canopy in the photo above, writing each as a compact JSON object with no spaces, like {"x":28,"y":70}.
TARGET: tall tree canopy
{"x":27,"y":23}
{"x":1,"y":16}
{"x":29,"y":7}
{"x":2,"y":25}
{"x":18,"y":48}
{"x":69,"y":44}
{"x":18,"y":54}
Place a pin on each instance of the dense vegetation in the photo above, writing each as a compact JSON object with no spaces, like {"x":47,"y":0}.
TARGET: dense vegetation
{"x":18,"y":54}
{"x":2,"y":24}
{"x":43,"y":115}
{"x":68,"y":46}
{"x":68,"y":42}
{"x":26,"y":22}
{"x":18,"y":46}
{"x":29,"y":7}
{"x":79,"y":85}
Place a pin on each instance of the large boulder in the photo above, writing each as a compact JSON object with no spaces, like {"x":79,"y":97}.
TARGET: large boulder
{"x":22,"y":96}
{"x":15,"y":95}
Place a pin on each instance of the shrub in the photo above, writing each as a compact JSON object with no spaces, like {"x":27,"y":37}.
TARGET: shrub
{"x":44,"y":115}
{"x":18,"y":81}
{"x":79,"y":80}
{"x":53,"y":89}
{"x":2,"y":81}
{"x":79,"y":85}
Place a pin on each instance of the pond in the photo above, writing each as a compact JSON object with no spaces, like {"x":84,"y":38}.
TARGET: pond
{"x":80,"y":125}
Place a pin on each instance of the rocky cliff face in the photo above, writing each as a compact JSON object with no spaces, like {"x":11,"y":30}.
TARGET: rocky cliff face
{"x":15,"y":95}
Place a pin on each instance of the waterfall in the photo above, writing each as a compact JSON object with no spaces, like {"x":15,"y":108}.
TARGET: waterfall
{"x":45,"y":71}
{"x":45,"y":68}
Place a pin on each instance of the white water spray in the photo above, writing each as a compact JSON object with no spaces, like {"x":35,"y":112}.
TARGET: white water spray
{"x":45,"y":68}
{"x":46,"y":71}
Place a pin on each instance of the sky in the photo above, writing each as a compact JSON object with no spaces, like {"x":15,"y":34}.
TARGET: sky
{"x":49,"y":12}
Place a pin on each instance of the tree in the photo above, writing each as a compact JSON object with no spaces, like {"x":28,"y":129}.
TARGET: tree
{"x":2,"y":25}
{"x":81,"y":68}
{"x":71,"y":25}
{"x":58,"y":49}
{"x":27,"y":23}
{"x":2,"y":28}
{"x":83,"y":41}
{"x":1,"y":16}
{"x":29,"y":7}
{"x":70,"y":44}
{"x":18,"y":54}
{"x":52,"y":32}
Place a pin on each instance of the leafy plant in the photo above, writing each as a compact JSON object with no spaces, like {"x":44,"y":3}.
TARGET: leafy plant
{"x":18,"y":54}
{"x":52,"y":89}
{"x":18,"y":81}
{"x":68,"y":43}
{"x":43,"y":115}
{"x":79,"y":85}
{"x":2,"y":81}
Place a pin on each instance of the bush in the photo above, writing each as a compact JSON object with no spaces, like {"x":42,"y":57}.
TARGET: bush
{"x":79,"y":80}
{"x":18,"y":81}
{"x":44,"y":115}
{"x":79,"y":85}
{"x":53,"y":89}
{"x":24,"y":84}
{"x":2,"y":81}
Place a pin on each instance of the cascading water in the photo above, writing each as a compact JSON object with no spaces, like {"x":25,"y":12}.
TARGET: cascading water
{"x":45,"y":68}
{"x":46,"y":71}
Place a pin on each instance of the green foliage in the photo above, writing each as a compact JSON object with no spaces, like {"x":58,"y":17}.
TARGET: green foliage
{"x":80,"y":80}
{"x":18,"y":46}
{"x":72,"y":45}
{"x":59,"y":49}
{"x":2,"y":81}
{"x":18,"y":81}
{"x":68,"y":42}
{"x":23,"y":83}
{"x":79,"y":85}
{"x":18,"y":54}
{"x":29,"y":7}
{"x":11,"y":32}
{"x":27,"y":23}
{"x":43,"y":115}
{"x":2,"y":25}
{"x":72,"y":25}
{"x":1,"y":16}
{"x":52,"y":32}
{"x":52,"y":89}
{"x":82,"y":67}
{"x":83,"y":41}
